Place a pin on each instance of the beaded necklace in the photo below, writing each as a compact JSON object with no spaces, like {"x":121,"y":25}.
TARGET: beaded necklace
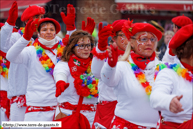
{"x":183,"y":72}
{"x":4,"y":67}
{"x":45,"y":59}
{"x":141,"y":78}
{"x":86,"y":84}
{"x":21,"y":30}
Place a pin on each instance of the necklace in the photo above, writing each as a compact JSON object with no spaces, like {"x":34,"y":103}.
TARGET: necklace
{"x":141,"y":78}
{"x":86,"y":84}
{"x":183,"y":72}
{"x":45,"y":59}
{"x":21,"y":30}
{"x":4,"y":66}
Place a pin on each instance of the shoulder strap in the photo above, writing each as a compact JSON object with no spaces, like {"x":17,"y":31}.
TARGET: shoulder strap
{"x":79,"y":104}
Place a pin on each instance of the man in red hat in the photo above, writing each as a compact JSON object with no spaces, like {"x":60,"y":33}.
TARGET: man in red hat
{"x":178,"y":22}
{"x":107,"y":99}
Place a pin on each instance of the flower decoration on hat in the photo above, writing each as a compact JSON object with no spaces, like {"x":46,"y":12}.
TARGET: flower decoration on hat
{"x":127,"y":28}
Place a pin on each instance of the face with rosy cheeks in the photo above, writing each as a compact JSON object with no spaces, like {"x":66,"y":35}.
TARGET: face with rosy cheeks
{"x":83,"y":48}
{"x":121,"y":40}
{"x":47,"y":31}
{"x":144,"y":43}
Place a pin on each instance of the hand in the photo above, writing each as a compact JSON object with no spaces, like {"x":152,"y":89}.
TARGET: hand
{"x":65,"y":40}
{"x":60,"y":87}
{"x":103,"y":35}
{"x":13,"y":14}
{"x":89,"y":26}
{"x":112,"y":55}
{"x":175,"y":105}
{"x":30,"y":28}
{"x":69,"y":20}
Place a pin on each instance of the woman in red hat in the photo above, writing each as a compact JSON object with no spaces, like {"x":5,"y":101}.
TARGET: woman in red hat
{"x":40,"y":60}
{"x":107,"y":99}
{"x":132,"y":77}
{"x":74,"y":79}
{"x":172,"y":91}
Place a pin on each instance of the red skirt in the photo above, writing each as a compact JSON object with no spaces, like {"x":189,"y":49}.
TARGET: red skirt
{"x":5,"y":102}
{"x":104,"y":114}
{"x":171,"y":125}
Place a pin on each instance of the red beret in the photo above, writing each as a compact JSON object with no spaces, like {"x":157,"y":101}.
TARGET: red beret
{"x":1,"y":24}
{"x":181,"y":20}
{"x":117,"y":25}
{"x":131,"y":29}
{"x":181,"y":36}
{"x":32,"y":11}
{"x":58,"y":28}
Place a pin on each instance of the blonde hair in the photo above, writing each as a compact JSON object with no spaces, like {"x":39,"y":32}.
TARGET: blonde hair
{"x":127,"y":52}
{"x":169,"y":32}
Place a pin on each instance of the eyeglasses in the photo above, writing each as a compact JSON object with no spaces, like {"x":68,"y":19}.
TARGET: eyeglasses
{"x":146,"y":39}
{"x":122,"y":35}
{"x":83,"y":46}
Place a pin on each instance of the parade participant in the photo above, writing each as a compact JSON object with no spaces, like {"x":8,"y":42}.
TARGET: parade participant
{"x":74,"y":79}
{"x":178,"y":22}
{"x":40,"y":60}
{"x":167,"y":37}
{"x":132,"y":77}
{"x":4,"y":101}
{"x":18,"y":77}
{"x":172,"y":91}
{"x":107,"y":99}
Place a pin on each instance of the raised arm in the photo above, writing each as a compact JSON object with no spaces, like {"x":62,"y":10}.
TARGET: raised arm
{"x":15,"y":54}
{"x":110,"y":73}
{"x":7,"y":38}
{"x":100,"y":53}
{"x":69,"y":19}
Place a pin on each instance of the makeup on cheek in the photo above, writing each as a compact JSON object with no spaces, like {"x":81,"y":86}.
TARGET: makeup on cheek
{"x":78,"y":50}
{"x":122,"y":40}
{"x":138,"y":45}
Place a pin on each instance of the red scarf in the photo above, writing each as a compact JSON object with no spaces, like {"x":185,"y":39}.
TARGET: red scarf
{"x":47,"y":48}
{"x":190,"y":68}
{"x":141,"y":61}
{"x":77,"y":67}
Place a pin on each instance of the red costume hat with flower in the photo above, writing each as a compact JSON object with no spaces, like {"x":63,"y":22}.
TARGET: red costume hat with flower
{"x":181,"y":20}
{"x":181,"y":36}
{"x":117,"y":26}
{"x":57,"y":25}
{"x":32,"y":11}
{"x":131,"y":29}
